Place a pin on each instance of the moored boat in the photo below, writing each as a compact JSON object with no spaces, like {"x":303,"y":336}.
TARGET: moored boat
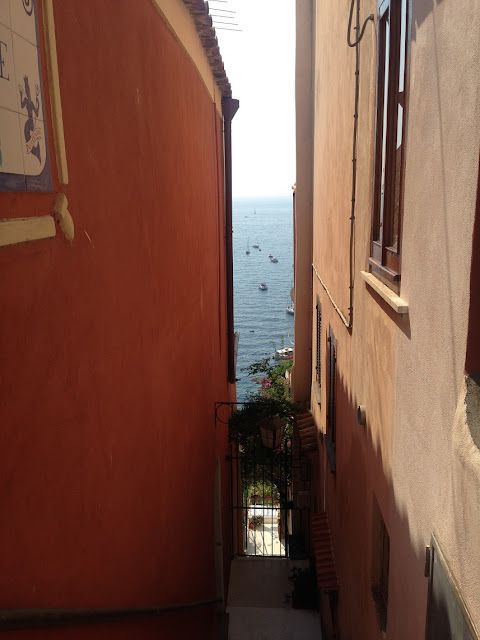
{"x":284,"y":354}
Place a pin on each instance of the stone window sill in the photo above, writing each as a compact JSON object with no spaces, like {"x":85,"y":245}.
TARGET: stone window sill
{"x":389,"y":296}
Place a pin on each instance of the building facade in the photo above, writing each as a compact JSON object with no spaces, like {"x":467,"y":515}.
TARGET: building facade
{"x":114,"y":315}
{"x":387,"y":286}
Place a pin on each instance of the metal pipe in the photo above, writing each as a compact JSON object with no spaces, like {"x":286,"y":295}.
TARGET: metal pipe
{"x":335,"y":305}
{"x":359,"y":36}
{"x":16,"y":619}
{"x":229,"y":109}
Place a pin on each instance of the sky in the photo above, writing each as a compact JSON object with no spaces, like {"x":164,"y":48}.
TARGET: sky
{"x":260,"y":64}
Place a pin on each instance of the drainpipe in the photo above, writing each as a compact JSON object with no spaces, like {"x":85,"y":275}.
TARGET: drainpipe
{"x":229,"y":109}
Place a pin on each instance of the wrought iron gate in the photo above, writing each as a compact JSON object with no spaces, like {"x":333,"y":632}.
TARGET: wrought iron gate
{"x":264,"y":519}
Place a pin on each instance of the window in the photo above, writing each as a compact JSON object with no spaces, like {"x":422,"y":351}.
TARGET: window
{"x":24,"y":155}
{"x":331,"y":406}
{"x":389,"y":142}
{"x":318,"y":367}
{"x":318,"y":363}
{"x":381,"y":566}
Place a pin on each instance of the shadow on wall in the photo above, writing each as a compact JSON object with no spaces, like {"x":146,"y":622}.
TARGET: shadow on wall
{"x":360,"y":501}
{"x":421,"y":10}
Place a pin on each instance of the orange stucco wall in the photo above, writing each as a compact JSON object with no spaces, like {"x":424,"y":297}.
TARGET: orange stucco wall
{"x":113,"y":349}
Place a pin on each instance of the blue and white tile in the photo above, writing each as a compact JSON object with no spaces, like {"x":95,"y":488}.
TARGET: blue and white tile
{"x":11,"y":148}
{"x":22,"y":17}
{"x":5,"y":13}
{"x":8,"y":85}
{"x":34,"y":149}
{"x":28,"y":78}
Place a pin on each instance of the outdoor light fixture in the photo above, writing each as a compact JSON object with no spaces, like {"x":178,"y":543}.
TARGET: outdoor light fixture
{"x":271,"y":431}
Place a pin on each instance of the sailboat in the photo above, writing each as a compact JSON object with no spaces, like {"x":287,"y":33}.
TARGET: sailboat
{"x":248,"y":247}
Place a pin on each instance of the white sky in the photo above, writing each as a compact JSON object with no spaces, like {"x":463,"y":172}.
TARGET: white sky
{"x":260,"y":64}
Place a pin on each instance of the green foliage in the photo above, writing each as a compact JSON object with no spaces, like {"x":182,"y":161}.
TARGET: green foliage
{"x":262,"y":492}
{"x":271,"y":398}
{"x":263,"y":471}
{"x":272,"y":382}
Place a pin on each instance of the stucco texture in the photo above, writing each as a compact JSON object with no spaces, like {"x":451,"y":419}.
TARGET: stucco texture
{"x":415,"y":457}
{"x":108,"y":441}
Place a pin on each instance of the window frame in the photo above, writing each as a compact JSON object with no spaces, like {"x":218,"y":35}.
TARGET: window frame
{"x":381,"y":568}
{"x":317,"y":383}
{"x":385,"y":258}
{"x":331,"y":431}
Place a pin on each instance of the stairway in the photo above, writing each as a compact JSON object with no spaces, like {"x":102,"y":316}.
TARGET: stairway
{"x":258,"y":608}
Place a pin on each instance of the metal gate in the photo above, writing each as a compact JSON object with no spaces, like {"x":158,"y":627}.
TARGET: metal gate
{"x":264,"y":518}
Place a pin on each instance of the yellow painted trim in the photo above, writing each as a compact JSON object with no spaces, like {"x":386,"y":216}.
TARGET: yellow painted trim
{"x":62,"y":216}
{"x":26,"y":229}
{"x":390,"y":297}
{"x":54,"y":86}
{"x":180,"y":23}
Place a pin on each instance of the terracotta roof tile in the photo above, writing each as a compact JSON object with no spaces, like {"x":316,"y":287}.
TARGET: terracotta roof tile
{"x":198,"y":9}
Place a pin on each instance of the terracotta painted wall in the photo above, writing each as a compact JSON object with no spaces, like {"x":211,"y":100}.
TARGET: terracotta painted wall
{"x":415,"y":457}
{"x":114,"y":348}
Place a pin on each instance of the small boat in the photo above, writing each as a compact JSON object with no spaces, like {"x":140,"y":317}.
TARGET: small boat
{"x":262,"y":286}
{"x":259,"y":248}
{"x":255,"y":246}
{"x":270,"y":255}
{"x":273,"y":259}
{"x":248,"y":247}
{"x":290,"y":309}
{"x":283,"y":354}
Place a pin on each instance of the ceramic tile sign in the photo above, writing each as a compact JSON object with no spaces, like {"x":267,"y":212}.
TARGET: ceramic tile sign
{"x":24,"y":159}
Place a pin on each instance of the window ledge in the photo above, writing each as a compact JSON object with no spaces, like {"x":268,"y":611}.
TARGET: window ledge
{"x":26,"y":229}
{"x":390,"y":297}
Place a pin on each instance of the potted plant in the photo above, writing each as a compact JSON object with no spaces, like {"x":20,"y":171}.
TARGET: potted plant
{"x":255,"y":521}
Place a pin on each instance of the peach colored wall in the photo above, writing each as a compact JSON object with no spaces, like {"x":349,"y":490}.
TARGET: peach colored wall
{"x":434,"y":454}
{"x":108,"y":442}
{"x":415,"y":455}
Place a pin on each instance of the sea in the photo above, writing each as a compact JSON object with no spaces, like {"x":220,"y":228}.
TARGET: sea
{"x":260,"y":316}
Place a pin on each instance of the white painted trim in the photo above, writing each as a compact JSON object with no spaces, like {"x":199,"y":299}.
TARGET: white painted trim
{"x":54,"y":86}
{"x":390,"y":297}
{"x":26,"y":229}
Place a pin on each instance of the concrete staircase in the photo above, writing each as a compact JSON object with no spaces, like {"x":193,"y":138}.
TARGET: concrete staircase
{"x":258,"y":606}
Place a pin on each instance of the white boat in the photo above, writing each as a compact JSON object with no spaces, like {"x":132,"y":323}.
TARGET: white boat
{"x":273,"y":259}
{"x":283,"y":354}
{"x":255,"y":246}
{"x":290,"y":309}
{"x":262,"y":286}
{"x":270,"y":255}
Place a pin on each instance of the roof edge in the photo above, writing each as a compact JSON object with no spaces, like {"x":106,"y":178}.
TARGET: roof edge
{"x":199,"y":11}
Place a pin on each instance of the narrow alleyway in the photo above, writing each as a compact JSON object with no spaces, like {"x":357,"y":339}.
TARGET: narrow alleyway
{"x":258,"y":604}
